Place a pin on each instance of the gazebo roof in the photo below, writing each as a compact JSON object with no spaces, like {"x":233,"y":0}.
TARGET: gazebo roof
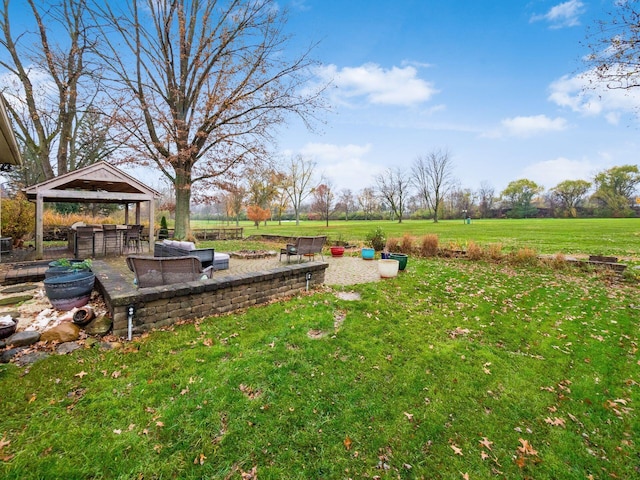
{"x":100,"y":183}
{"x":9,"y":151}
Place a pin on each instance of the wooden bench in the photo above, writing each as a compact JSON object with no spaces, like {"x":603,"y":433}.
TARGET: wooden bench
{"x":157,"y":271}
{"x":304,"y":247}
{"x":606,"y":262}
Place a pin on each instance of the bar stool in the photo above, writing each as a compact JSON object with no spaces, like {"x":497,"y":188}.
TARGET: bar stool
{"x":132,"y":237}
{"x":111,"y":239}
{"x":85,"y":238}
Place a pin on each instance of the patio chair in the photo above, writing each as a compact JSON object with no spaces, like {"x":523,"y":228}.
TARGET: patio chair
{"x":132,"y":238}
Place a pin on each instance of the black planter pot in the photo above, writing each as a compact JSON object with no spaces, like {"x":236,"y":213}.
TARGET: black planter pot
{"x":69,"y":291}
{"x":53,"y":272}
{"x":56,"y":270}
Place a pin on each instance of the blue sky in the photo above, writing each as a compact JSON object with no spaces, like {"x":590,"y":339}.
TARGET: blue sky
{"x":497,"y":83}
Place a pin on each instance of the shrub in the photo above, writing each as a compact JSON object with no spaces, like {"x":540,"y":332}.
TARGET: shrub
{"x":474,"y":251}
{"x":164,"y":229}
{"x":429,"y":245}
{"x":18,"y":217}
{"x":376,"y":239}
{"x":406,"y":243}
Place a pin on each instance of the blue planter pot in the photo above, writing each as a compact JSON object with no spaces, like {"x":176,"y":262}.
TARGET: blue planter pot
{"x":368,"y":253}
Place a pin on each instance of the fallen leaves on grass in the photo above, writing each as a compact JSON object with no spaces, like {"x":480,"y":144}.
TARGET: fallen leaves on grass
{"x":81,"y":374}
{"x":347,"y":443}
{"x":457,"y":450}
{"x":250,"y":475}
{"x":250,"y":392}
{"x":486,"y":443}
{"x":555,"y":421}
{"x":315,"y":334}
{"x":458,"y":332}
{"x":5,"y":443}
{"x":617,"y":407}
{"x":526,"y":453}
{"x":199,"y":460}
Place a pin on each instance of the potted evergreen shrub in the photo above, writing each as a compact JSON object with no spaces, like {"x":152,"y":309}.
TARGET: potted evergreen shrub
{"x":164,"y":230}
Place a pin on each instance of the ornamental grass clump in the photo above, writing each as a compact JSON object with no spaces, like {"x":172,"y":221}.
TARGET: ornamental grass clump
{"x":474,"y":251}
{"x":495,"y":252}
{"x":407,"y":243}
{"x":393,"y":245}
{"x":558,"y":261}
{"x":429,"y":245}
{"x":524,"y":256}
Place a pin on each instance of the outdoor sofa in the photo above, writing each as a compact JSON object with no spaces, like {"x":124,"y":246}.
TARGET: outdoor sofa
{"x":157,"y":271}
{"x":208,"y":257}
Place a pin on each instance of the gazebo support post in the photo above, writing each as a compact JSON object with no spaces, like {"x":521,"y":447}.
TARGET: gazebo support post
{"x":39,"y":227}
{"x":152,"y":220}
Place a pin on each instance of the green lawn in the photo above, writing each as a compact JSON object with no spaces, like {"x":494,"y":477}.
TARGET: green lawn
{"x":454,"y":369}
{"x":619,"y":237}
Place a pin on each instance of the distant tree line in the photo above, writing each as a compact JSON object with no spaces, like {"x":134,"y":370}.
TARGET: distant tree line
{"x":291,"y":191}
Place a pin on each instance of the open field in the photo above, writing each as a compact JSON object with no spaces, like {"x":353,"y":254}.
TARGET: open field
{"x":455,"y":369}
{"x":619,"y":237}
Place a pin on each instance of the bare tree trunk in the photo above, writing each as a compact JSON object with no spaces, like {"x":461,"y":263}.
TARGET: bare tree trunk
{"x":183,"y":200}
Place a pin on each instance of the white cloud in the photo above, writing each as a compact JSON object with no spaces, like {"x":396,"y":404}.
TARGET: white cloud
{"x":533,"y":125}
{"x":565,"y":14}
{"x":44,"y":89}
{"x":550,"y":173}
{"x":525,"y":127}
{"x":344,"y":165}
{"x":395,"y":86}
{"x":331,"y":152}
{"x":583,"y":93}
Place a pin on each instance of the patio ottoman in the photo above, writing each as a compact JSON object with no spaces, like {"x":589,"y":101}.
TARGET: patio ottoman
{"x":220,"y":261}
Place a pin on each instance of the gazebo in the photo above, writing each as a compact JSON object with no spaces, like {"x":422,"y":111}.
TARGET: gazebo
{"x":97,"y":183}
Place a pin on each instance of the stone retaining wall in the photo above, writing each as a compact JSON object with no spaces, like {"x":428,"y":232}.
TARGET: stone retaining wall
{"x":161,"y":306}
